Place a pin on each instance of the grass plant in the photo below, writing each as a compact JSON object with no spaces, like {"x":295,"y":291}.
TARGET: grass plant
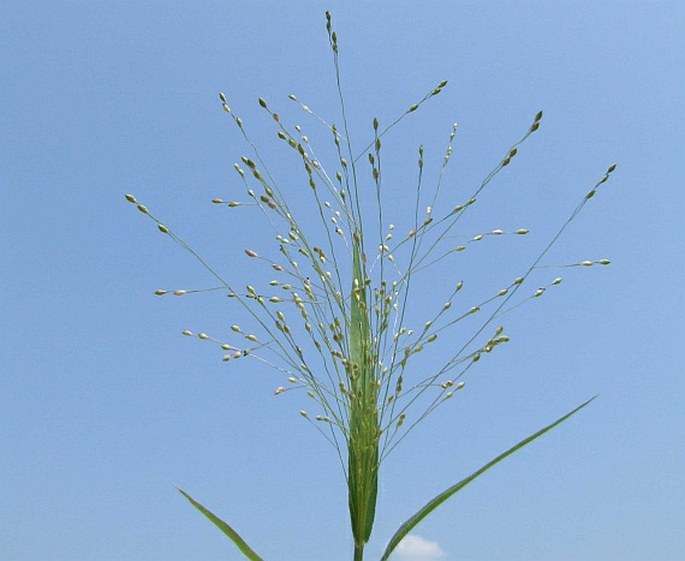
{"x":335,"y":320}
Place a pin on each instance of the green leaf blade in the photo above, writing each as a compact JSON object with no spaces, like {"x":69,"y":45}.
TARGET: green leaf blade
{"x":434,"y":503}
{"x":240,"y":543}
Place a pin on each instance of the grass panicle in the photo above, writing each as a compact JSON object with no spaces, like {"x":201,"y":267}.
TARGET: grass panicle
{"x":333,"y":319}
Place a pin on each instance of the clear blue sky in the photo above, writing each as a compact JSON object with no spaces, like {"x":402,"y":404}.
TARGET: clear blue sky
{"x":105,"y":406}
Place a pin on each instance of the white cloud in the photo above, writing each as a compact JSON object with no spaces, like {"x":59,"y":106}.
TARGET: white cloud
{"x":416,"y":548}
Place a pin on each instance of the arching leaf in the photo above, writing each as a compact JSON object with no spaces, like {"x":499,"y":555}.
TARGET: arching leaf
{"x":412,"y":522}
{"x":225,"y":528}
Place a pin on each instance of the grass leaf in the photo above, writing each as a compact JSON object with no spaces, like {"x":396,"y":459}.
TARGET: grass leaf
{"x":409,"y":525}
{"x":225,"y":528}
{"x":364,"y":431}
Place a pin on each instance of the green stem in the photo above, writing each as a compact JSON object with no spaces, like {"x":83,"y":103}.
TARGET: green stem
{"x":359,"y":551}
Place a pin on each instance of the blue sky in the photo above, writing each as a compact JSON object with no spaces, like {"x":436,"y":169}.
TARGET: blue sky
{"x":105,"y":405}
